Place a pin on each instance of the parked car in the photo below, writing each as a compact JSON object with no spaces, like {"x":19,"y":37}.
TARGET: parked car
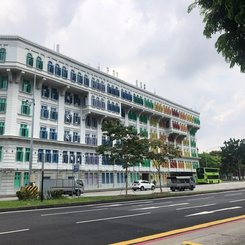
{"x":142,"y":185}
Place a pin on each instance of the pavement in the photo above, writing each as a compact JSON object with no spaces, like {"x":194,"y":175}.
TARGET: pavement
{"x":223,"y":232}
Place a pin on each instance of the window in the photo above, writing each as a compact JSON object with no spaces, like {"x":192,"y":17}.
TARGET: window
{"x":64,"y":72}
{"x":86,"y":80}
{"x":27,"y":154}
{"x":26,"y":86}
{"x":79,"y":158}
{"x":77,"y":100}
{"x":107,"y":178}
{"x":2,"y":128}
{"x":93,"y":101}
{"x":53,"y":114}
{"x":24,"y":131}
{"x":72,"y":157}
{"x":65,"y":157}
{"x":88,"y":140}
{"x":50,"y":67}
{"x":68,"y":98}
{"x":43,"y":133}
{"x":40,"y":155}
{"x":19,"y":154}
{"x":67,"y":136}
{"x":3,"y":105}
{"x":94,"y":122}
{"x":52,"y":134}
{"x":76,"y":137}
{"x":54,"y":94}
{"x":45,"y":91}
{"x":88,"y":121}
{"x":94,"y":140}
{"x":79,"y":78}
{"x":48,"y":156}
{"x":55,"y":156}
{"x":44,"y":112}
{"x":25,"y":108}
{"x":2,"y":55}
{"x":39,"y":63}
{"x":57,"y":70}
{"x":76,"y":119}
{"x":3,"y":83}
{"x":73,"y":76}
{"x":68,"y":117}
{"x":29,"y":59}
{"x":93,"y":83}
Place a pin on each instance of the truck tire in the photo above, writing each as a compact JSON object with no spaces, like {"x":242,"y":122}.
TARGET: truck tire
{"x":172,"y":189}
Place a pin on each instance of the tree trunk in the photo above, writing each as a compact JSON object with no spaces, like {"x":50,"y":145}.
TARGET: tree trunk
{"x":126,"y":180}
{"x":160,"y":181}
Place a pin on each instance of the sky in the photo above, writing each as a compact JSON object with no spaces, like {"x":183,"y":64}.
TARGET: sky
{"x":155,"y":42}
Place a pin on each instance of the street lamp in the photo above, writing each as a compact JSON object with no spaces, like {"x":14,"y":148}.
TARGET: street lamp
{"x":32,"y":129}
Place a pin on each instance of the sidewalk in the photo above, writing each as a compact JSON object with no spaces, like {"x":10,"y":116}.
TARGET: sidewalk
{"x":221,"y":186}
{"x":231,"y":233}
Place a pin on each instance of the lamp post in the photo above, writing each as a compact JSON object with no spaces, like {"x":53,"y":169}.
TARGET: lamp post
{"x":32,"y":129}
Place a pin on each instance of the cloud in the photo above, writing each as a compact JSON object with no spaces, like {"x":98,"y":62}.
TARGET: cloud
{"x":155,"y":42}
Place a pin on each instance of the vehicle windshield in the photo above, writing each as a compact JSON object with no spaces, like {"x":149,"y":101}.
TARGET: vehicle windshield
{"x":80,"y":182}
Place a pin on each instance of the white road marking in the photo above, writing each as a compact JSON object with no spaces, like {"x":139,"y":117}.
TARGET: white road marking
{"x":213,"y":211}
{"x":111,"y":218}
{"x":197,"y":199}
{"x":198,"y":206}
{"x":231,"y":195}
{"x":14,"y":231}
{"x":151,"y":202}
{"x":156,"y":207}
{"x":74,"y":212}
{"x":239,"y":200}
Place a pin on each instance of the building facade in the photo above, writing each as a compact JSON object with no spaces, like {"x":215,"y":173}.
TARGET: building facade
{"x":51,"y":111}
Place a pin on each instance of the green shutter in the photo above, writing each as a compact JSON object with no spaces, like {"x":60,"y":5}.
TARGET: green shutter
{"x":17,"y":179}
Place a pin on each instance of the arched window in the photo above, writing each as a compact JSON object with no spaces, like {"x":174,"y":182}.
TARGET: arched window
{"x":39,"y":63}
{"x":93,"y":83}
{"x":98,"y":86}
{"x":102,"y":104}
{"x":50,"y":67}
{"x":2,"y":54}
{"x":88,"y":121}
{"x":102,"y":86}
{"x":86,"y":80}
{"x":73,"y":76}
{"x":79,"y":78}
{"x":98,"y":102}
{"x":93,"y":101}
{"x":29,"y":59}
{"x":64,"y":72}
{"x":57,"y":70}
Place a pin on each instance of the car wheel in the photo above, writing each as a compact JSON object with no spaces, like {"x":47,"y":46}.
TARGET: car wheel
{"x":142,"y":188}
{"x":153,"y":188}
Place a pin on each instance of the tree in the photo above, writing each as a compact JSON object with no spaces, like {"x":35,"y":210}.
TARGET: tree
{"x":160,"y":152}
{"x":124,"y":147}
{"x":233,"y":157}
{"x":212,"y":159}
{"x":228,"y":18}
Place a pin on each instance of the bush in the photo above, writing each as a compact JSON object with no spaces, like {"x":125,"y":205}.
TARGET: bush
{"x":54,"y":194}
{"x":25,"y":194}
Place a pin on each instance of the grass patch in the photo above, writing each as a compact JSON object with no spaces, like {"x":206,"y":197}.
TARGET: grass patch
{"x":66,"y":201}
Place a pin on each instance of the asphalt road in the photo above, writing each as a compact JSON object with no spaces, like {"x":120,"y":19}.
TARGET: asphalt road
{"x":114,"y":222}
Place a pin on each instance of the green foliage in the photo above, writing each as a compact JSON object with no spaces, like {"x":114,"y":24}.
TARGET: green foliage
{"x":160,"y":152}
{"x":233,"y":158}
{"x":212,"y":159}
{"x":228,"y":18}
{"x":128,"y":148}
{"x":25,"y":194}
{"x":55,"y":194}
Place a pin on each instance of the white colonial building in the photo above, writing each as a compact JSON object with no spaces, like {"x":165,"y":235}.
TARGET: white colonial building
{"x":66,"y":101}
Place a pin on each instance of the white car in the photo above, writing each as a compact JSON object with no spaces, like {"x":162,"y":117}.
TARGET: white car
{"x":142,"y":185}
